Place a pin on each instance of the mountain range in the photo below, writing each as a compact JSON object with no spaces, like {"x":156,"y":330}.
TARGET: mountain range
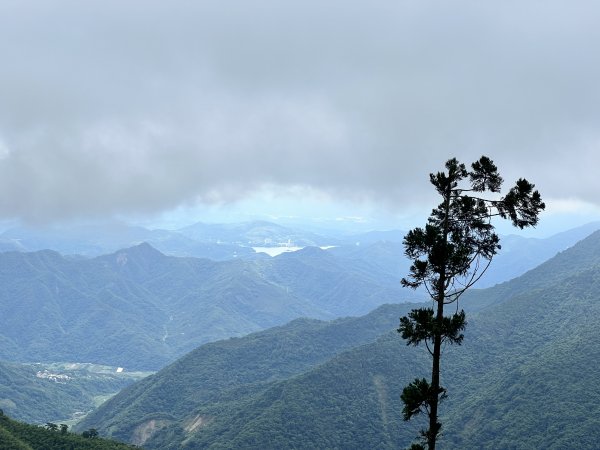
{"x":525,"y":377}
{"x":222,"y":242}
{"x":201,"y":240}
{"x":140,"y":309}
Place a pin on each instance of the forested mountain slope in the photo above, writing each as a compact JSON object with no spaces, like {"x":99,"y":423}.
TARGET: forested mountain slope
{"x":527,"y":377}
{"x":223,"y":374}
{"x":140,"y":309}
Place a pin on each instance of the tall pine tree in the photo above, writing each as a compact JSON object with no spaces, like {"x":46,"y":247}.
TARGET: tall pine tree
{"x":448,"y":256}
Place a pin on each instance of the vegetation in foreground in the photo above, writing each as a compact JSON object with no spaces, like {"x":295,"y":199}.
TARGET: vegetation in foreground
{"x":21,"y":436}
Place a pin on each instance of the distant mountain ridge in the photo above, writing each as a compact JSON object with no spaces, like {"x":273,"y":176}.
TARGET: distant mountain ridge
{"x":384,"y":252}
{"x":519,"y":254}
{"x":222,"y":242}
{"x":255,"y":233}
{"x":91,"y":241}
{"x":213,"y":241}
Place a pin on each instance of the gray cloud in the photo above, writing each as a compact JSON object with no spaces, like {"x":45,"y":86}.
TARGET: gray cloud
{"x":113,"y":107}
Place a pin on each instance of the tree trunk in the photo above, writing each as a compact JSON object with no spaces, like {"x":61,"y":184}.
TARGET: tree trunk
{"x":437,"y":341}
{"x":435,"y":376}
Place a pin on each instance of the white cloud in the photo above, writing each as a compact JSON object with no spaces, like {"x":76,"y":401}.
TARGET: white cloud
{"x":139,"y":107}
{"x":571,"y":206}
{"x":4,"y":150}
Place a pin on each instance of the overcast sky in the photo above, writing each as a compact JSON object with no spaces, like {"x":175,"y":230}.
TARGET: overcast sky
{"x":115,"y":108}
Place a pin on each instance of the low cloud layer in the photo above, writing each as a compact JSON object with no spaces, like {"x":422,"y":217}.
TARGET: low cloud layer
{"x":139,"y":107}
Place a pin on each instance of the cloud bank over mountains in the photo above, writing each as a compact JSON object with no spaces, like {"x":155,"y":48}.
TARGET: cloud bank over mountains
{"x":139,"y":107}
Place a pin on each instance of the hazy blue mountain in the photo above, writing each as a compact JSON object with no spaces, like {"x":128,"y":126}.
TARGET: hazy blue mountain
{"x":371,"y":237}
{"x":139,"y":308}
{"x":331,"y":280}
{"x":256,"y":233}
{"x":517,"y":256}
{"x":379,"y":251}
{"x":96,"y":240}
{"x":10,"y":245}
{"x":58,"y":309}
{"x":526,"y":377}
{"x":382,"y":259}
{"x":136,"y":308}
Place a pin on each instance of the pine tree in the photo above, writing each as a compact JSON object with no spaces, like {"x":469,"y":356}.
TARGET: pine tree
{"x":448,"y":256}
